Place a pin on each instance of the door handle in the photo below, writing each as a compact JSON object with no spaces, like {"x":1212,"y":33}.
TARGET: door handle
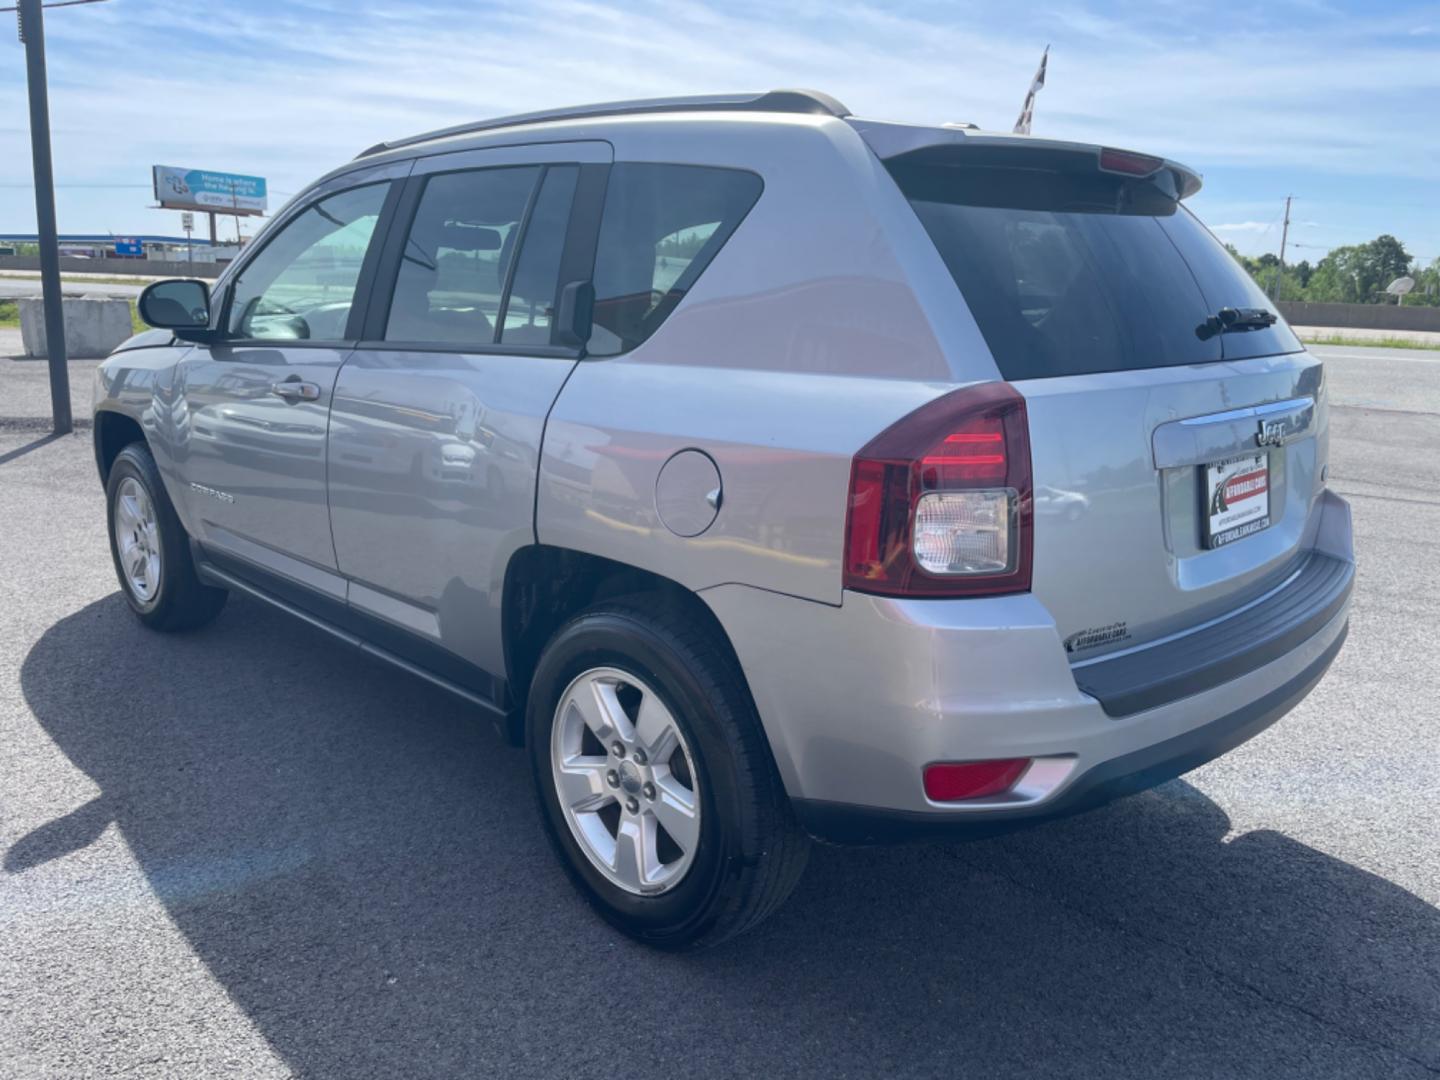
{"x":296,"y":391}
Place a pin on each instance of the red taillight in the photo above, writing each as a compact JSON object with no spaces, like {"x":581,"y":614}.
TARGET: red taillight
{"x":940,"y":502}
{"x":1128,"y":162}
{"x":954,"y":781}
{"x":975,"y":453}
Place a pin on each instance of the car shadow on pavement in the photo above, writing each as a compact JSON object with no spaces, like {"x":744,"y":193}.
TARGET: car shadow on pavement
{"x":359,"y":863}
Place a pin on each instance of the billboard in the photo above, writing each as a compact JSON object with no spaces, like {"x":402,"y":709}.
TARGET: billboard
{"x":198,"y":189}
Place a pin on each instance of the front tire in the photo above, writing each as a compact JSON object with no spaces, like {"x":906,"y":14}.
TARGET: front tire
{"x":151,"y":549}
{"x":656,"y":785}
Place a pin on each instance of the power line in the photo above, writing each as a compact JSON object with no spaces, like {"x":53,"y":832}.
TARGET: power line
{"x":105,"y":187}
{"x":59,"y":3}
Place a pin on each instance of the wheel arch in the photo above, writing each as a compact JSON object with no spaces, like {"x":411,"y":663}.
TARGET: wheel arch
{"x":114,"y":430}
{"x":545,"y":586}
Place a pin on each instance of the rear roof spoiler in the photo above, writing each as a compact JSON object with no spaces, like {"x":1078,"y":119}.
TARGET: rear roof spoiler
{"x":890,"y":140}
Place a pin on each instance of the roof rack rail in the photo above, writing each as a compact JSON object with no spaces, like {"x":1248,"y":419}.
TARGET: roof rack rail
{"x":782,"y":101}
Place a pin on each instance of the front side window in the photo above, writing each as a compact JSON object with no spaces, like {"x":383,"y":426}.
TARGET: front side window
{"x":456,"y":261}
{"x":661,"y":226}
{"x":301,"y":285}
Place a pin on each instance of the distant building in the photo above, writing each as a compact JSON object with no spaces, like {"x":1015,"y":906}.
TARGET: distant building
{"x":109,"y":246}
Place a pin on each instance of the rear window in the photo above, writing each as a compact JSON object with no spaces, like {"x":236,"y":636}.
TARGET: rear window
{"x":661,"y":226}
{"x":1074,"y":272}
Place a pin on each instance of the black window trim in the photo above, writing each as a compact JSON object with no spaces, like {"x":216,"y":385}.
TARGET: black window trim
{"x":522,"y":229}
{"x":363,"y":283}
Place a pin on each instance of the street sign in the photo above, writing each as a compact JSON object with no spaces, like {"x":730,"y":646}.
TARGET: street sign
{"x":129,"y":248}
{"x":187,"y":221}
{"x":217,"y":192}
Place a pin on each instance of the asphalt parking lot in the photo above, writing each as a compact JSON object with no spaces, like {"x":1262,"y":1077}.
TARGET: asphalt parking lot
{"x":249,"y":852}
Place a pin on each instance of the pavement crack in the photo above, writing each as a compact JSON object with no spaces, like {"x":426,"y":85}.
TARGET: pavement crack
{"x":1222,"y":974}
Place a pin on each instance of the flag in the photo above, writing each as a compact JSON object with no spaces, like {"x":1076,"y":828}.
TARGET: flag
{"x":1027,"y":111}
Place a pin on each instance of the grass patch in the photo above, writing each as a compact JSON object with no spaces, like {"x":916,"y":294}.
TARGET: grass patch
{"x":1362,"y":342}
{"x":136,"y":323}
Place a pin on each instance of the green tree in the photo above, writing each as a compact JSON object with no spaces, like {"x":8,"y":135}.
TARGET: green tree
{"x":1358,"y":273}
{"x":1389,"y":258}
{"x":1252,"y":266}
{"x":1427,"y":286}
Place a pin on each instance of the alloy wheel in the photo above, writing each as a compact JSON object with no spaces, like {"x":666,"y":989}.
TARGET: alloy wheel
{"x":626,"y":781}
{"x":137,"y":539}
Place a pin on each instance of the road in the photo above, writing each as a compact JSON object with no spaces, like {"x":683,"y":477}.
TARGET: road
{"x":251,"y":853}
{"x":11,"y":288}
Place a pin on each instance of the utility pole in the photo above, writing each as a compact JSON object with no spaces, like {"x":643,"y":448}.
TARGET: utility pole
{"x":32,"y":35}
{"x":1284,"y":233}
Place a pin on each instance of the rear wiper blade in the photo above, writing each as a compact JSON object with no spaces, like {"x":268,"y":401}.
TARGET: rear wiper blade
{"x":1228,"y":318}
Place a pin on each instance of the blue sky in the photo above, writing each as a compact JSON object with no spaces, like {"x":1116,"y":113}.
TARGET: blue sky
{"x":1335,"y":103}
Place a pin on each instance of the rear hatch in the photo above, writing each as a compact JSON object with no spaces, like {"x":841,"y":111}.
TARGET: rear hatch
{"x":1176,"y":423}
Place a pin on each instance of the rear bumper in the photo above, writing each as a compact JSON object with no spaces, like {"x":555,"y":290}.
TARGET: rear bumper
{"x":844,"y":823}
{"x":856,"y":700}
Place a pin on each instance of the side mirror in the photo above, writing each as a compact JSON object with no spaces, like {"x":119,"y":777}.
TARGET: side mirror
{"x":574,"y":313}
{"x":179,"y":305}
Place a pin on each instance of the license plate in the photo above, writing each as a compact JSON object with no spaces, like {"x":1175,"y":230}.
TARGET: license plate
{"x":1237,"y":498}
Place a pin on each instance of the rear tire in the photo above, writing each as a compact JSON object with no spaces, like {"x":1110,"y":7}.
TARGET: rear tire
{"x":745,"y":855}
{"x":151,"y":549}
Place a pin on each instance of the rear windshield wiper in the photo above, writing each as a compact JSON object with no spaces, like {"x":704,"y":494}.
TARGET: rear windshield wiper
{"x":1228,"y":318}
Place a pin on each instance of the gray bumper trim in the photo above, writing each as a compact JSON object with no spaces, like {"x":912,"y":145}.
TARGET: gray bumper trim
{"x":1188,"y":665}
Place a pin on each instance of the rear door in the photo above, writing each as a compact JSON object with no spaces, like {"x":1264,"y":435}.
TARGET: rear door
{"x":437,"y":417}
{"x":1151,"y":367}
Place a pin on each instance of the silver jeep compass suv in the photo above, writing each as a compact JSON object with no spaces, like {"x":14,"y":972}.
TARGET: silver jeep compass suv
{"x":766,"y":471}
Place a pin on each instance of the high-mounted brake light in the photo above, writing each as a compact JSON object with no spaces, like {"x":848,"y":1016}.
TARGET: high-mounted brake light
{"x":1128,"y":162}
{"x":940,"y":502}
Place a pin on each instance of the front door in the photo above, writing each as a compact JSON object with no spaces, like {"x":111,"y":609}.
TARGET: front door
{"x":256,"y":405}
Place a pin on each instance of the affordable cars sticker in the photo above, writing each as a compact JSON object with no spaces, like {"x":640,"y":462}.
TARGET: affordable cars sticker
{"x":1237,"y":498}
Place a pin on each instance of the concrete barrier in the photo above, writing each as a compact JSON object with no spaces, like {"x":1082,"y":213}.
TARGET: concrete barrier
{"x":93,"y":325}
{"x":1360,"y":316}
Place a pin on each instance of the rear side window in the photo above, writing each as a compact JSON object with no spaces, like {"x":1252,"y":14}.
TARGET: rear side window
{"x":661,"y":226}
{"x":457,"y":257}
{"x":1069,"y":273}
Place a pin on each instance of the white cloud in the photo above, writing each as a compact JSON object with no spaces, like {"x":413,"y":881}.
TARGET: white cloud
{"x":289,"y":90}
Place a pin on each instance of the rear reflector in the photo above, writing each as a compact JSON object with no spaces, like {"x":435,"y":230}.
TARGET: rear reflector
{"x":955,"y":781}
